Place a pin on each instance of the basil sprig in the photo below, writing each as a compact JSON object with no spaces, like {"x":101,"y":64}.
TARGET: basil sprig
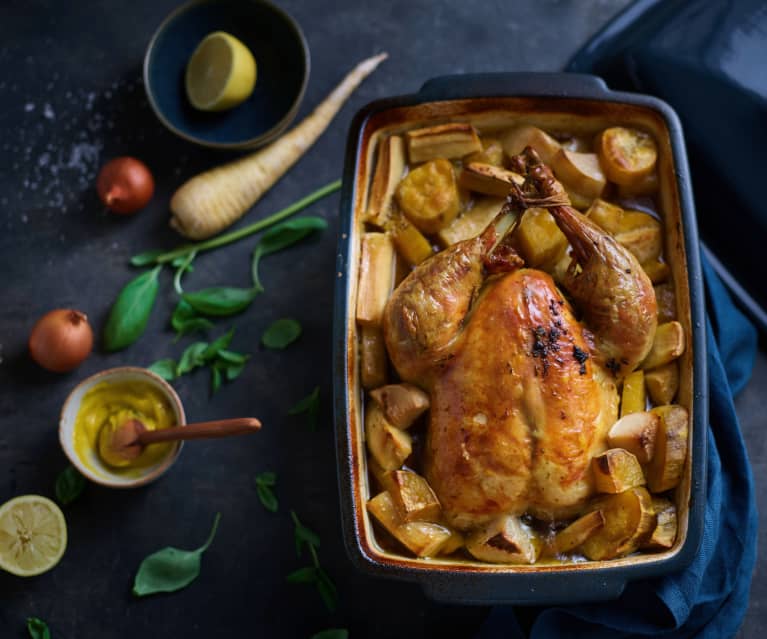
{"x":130,"y":311}
{"x":69,"y":485}
{"x":37,"y":628}
{"x":313,"y":574}
{"x":171,"y":569}
{"x":185,"y":320}
{"x":265,"y":483}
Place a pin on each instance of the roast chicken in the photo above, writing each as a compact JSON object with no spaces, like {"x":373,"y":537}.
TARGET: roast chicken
{"x":522,"y":378}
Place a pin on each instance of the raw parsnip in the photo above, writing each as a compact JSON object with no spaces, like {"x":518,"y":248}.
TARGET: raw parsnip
{"x":211,"y":201}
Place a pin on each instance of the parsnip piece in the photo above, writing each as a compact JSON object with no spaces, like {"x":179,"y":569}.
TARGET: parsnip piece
{"x":667,"y":464}
{"x":665,"y":532}
{"x":472,"y":222}
{"x":629,"y":521}
{"x":616,"y":470}
{"x":663,"y":383}
{"x":487,"y":179}
{"x":577,"y":532}
{"x":633,"y":396}
{"x":607,"y":215}
{"x":579,"y":172}
{"x":657,"y":271}
{"x":636,"y":433}
{"x":539,"y":240}
{"x":669,"y":344}
{"x":428,"y":195}
{"x":389,"y":169}
{"x":491,"y":153}
{"x":666,"y":300}
{"x":402,"y":403}
{"x":409,"y":241}
{"x":641,"y":234}
{"x":413,"y":497}
{"x":373,"y":361}
{"x":506,"y":540}
{"x":645,"y":187}
{"x":454,"y":542}
{"x":376,"y":277}
{"x":517,"y":139}
{"x":452,"y":140}
{"x":388,"y":445}
{"x":627,"y":155}
{"x":423,"y":539}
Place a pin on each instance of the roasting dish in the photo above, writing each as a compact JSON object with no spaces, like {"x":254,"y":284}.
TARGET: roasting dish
{"x":581,"y":105}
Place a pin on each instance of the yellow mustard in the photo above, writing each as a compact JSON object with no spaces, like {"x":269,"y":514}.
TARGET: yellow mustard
{"x":108,"y":405}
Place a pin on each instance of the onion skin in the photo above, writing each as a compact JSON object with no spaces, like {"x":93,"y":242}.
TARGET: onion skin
{"x":61,"y":340}
{"x":125,"y":185}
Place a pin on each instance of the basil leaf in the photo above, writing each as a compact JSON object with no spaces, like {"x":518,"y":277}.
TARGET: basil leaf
{"x":303,"y":535}
{"x":282,"y":236}
{"x":310,"y":405}
{"x":306,"y":575}
{"x":69,"y":485}
{"x":267,"y":497}
{"x":332,"y":633}
{"x":215,"y":379}
{"x":221,"y":301}
{"x":232,"y":357}
{"x":147,"y":257}
{"x":165,"y":368}
{"x":37,"y":628}
{"x":171,"y":569}
{"x":327,"y":589}
{"x":130,"y":312}
{"x":191,"y":358}
{"x":281,"y":333}
{"x":217,"y":345}
{"x":233,"y":371}
{"x":266,"y":479}
{"x":182,"y":264}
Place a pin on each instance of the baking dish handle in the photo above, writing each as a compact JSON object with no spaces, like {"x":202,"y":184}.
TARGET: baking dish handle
{"x":486,"y":85}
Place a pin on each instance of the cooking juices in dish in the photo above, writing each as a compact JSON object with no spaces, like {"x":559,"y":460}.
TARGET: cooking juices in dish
{"x":518,"y":346}
{"x":109,"y":404}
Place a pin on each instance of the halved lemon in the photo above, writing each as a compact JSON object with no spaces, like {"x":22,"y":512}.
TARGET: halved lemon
{"x":220,"y":74}
{"x":33,"y":535}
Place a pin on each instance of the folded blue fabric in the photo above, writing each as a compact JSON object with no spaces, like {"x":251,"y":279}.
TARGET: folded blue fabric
{"x":710,"y":597}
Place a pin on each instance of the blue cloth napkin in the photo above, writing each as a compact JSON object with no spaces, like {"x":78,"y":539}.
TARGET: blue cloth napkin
{"x":710,"y":597}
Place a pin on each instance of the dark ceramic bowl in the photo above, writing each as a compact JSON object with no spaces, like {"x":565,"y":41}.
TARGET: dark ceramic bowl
{"x":581,"y":105}
{"x":282,"y":60}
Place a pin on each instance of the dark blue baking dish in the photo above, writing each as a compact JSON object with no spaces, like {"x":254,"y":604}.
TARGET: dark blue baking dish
{"x":583,"y":103}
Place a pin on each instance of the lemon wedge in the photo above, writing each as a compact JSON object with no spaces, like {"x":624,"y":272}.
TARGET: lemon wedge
{"x":220,"y":74}
{"x":33,"y":535}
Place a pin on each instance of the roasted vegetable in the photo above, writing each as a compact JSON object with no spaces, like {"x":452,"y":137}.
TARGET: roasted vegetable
{"x":424,"y":539}
{"x":576,"y":533}
{"x":428,"y":195}
{"x":388,"y":445}
{"x":663,"y":383}
{"x":410,"y":242}
{"x":402,"y":403}
{"x":636,"y":433}
{"x":657,"y":271}
{"x":666,"y":300}
{"x":641,"y":234}
{"x":627,"y":156}
{"x":517,"y":139}
{"x":616,"y":470}
{"x":633,"y":397}
{"x":452,"y":140}
{"x":471,"y":222}
{"x":376,"y":279}
{"x":665,"y":532}
{"x":491,"y":153}
{"x":390,"y":166}
{"x":645,"y":187}
{"x":487,"y":179}
{"x":454,"y":542}
{"x":606,"y":214}
{"x":629,"y":521}
{"x":579,"y":172}
{"x":669,"y":344}
{"x":539,"y":240}
{"x":413,"y":497}
{"x":667,"y":464}
{"x":373,"y":359}
{"x":506,"y":540}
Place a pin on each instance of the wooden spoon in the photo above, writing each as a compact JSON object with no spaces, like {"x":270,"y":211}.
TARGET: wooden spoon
{"x":120,"y":445}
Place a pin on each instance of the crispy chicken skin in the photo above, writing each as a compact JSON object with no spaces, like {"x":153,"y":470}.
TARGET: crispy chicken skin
{"x":519,"y":410}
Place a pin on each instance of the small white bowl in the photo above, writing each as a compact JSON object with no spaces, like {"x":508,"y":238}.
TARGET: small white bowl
{"x":94,"y":468}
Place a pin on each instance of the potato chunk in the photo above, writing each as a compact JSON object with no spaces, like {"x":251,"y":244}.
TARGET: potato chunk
{"x":373,"y":359}
{"x":422,"y":538}
{"x":376,"y":279}
{"x":487,"y":179}
{"x":506,"y":540}
{"x":413,"y":497}
{"x":627,"y":156}
{"x":402,"y":403}
{"x":491,"y":153}
{"x":665,"y":532}
{"x":669,"y":344}
{"x":657,"y":271}
{"x":641,"y":234}
{"x":636,"y":433}
{"x":388,"y":445}
{"x":607,"y":215}
{"x":629,"y":521}
{"x":517,"y":139}
{"x":579,"y":172}
{"x":452,"y":140}
{"x":645,"y":187}
{"x":663,"y":383}
{"x":633,"y":396}
{"x":616,"y":470}
{"x":428,"y":195}
{"x":390,"y":166}
{"x":471,"y":222}
{"x":577,"y":533}
{"x":539,"y":240}
{"x":409,"y":241}
{"x":667,"y":464}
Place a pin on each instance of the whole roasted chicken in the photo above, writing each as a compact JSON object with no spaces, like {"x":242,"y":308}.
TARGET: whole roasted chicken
{"x":522,"y":383}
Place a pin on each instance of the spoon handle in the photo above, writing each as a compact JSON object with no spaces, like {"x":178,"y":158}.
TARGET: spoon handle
{"x":202,"y":430}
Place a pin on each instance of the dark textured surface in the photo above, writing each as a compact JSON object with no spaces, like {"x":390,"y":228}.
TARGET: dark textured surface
{"x":72,"y":98}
